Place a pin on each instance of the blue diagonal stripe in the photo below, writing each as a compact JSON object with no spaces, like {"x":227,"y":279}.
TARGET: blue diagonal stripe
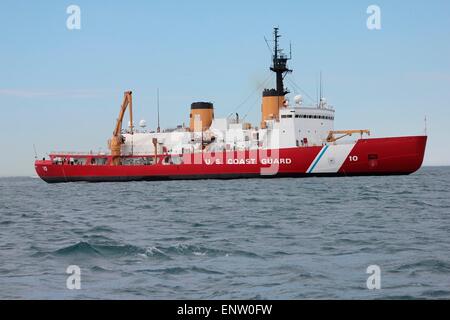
{"x":318,"y":158}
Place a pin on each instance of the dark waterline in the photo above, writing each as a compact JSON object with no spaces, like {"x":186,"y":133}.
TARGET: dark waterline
{"x":250,"y":239}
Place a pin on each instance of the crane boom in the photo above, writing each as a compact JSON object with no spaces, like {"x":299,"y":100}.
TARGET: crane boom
{"x":344,"y":133}
{"x":127,"y":102}
{"x":115,"y":144}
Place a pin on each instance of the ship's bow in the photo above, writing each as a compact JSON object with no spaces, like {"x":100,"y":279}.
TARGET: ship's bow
{"x":386,"y":156}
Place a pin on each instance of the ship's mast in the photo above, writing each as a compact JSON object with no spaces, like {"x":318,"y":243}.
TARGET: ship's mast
{"x":279,"y":65}
{"x":273,"y":99}
{"x":157,"y":106}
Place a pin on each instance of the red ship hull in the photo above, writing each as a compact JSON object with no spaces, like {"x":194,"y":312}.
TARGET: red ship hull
{"x":381,"y":156}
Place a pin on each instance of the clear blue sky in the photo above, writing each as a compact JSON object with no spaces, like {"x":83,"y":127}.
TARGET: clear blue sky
{"x":61,"y":89}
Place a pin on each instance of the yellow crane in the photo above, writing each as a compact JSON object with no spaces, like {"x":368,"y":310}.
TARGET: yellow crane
{"x":117,"y":139}
{"x":345,"y":133}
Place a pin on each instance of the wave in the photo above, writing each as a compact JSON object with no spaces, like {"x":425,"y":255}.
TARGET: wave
{"x":97,"y":250}
{"x":180,"y":270}
{"x":114,"y":250}
{"x":433,"y":265}
{"x":83,"y":248}
{"x":187,"y":249}
{"x":436,"y":294}
{"x":100,"y":269}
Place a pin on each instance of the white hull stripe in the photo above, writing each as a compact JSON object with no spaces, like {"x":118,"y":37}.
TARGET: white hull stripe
{"x":331,"y":158}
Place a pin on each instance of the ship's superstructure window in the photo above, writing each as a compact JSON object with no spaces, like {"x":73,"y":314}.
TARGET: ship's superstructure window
{"x":305,"y":116}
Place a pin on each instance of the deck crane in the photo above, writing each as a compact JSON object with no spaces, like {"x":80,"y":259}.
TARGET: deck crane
{"x":344,"y":133}
{"x":116,"y":141}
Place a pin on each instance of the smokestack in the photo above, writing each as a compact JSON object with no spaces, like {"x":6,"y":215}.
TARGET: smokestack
{"x":202,"y":115}
{"x":271,"y":104}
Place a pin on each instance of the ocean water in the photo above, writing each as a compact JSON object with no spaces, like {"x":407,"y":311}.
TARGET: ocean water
{"x":237,"y":239}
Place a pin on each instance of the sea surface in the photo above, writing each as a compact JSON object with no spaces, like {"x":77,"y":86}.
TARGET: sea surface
{"x":308,"y":238}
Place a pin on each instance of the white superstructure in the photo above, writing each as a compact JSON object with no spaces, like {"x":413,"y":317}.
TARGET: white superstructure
{"x":296,"y":126}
